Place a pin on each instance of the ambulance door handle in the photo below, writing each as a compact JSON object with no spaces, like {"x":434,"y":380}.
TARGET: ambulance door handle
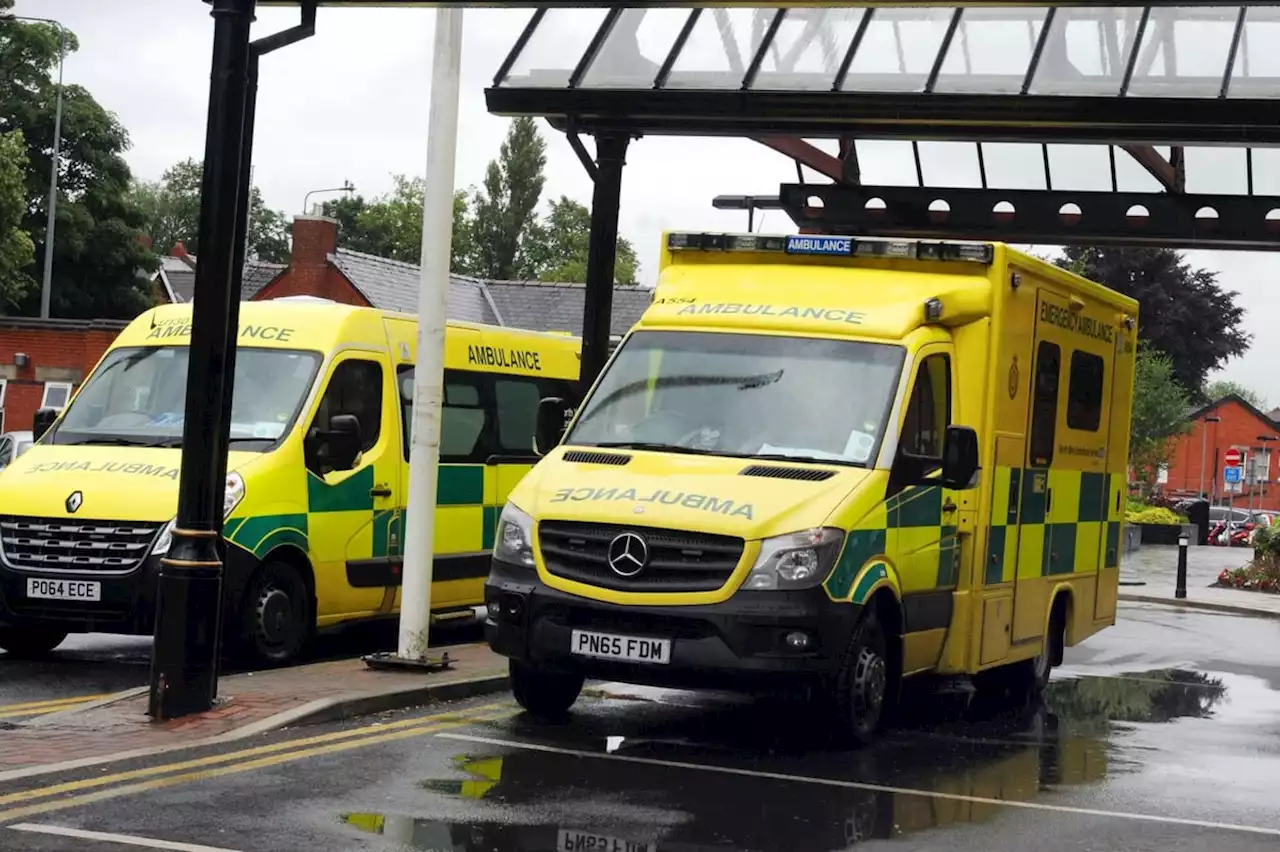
{"x":948,"y":506}
{"x":380,"y":491}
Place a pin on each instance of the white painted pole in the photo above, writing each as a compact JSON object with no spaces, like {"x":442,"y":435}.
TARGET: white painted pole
{"x":437,"y":235}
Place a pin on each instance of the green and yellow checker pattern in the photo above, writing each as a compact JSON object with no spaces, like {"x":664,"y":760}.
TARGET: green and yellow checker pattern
{"x":1046,"y":522}
{"x":342,"y":518}
{"x":906,"y":530}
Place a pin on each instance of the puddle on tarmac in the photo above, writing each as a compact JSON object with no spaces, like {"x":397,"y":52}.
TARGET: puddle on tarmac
{"x":1149,"y":697}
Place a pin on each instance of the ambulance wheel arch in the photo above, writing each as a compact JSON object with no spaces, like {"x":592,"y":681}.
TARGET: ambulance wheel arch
{"x":271,"y":604}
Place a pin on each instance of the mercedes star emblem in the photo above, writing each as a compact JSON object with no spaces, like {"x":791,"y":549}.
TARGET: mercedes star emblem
{"x":628,"y":554}
{"x":74,"y":500}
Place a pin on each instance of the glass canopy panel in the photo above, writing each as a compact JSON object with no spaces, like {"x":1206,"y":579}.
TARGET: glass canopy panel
{"x":991,"y":50}
{"x":720,"y":48}
{"x":554,"y":49}
{"x":808,"y":49}
{"x":635,"y":49}
{"x":1256,"y":72}
{"x":1087,"y":51}
{"x":1184,"y":52}
{"x":898,"y":50}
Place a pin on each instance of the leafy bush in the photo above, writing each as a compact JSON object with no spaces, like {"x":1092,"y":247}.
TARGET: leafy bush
{"x":1255,"y":577}
{"x":1153,"y":515}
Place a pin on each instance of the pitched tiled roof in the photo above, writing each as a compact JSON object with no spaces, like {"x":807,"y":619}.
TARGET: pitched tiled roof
{"x":182,"y":277}
{"x":543,"y":306}
{"x":392,"y":285}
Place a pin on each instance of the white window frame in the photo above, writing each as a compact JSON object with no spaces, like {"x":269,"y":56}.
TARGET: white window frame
{"x":44,"y":398}
{"x":4,"y":385}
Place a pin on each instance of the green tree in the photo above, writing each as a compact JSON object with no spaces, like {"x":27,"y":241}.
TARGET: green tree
{"x":16,"y":249}
{"x":172,"y":209}
{"x":391,"y":225}
{"x":1183,"y":311}
{"x":1216,"y":390}
{"x":98,"y":262}
{"x":558,"y":250}
{"x":505,"y":222}
{"x":1159,"y":413}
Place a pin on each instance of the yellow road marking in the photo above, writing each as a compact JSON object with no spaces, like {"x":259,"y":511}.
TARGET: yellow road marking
{"x":464,"y":717}
{"x":259,"y":763}
{"x":36,"y":708}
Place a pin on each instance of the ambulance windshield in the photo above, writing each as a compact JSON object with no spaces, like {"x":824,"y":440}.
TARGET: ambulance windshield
{"x":137,"y":397}
{"x":747,"y":395}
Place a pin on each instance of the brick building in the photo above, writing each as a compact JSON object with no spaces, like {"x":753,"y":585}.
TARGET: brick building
{"x":1238,"y":424}
{"x":41,"y":361}
{"x":57,"y":354}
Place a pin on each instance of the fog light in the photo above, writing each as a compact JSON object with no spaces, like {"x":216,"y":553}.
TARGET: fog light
{"x":512,"y":607}
{"x":796,"y":640}
{"x":492,"y":610}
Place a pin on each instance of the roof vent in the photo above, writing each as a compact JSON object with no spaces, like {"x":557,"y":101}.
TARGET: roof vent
{"x":807,"y":474}
{"x":588,"y":457}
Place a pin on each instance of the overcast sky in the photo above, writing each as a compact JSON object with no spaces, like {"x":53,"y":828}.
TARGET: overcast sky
{"x":351,"y":104}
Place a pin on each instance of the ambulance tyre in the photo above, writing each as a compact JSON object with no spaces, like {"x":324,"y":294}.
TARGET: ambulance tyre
{"x":275,"y":617}
{"x":544,"y":694}
{"x":862,"y":685}
{"x":30,"y":641}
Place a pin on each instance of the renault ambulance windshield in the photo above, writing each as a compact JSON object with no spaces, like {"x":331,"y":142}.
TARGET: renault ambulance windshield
{"x":744,"y":395}
{"x":137,"y":397}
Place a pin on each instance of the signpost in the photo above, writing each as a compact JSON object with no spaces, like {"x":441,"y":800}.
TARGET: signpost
{"x":1232,"y":458}
{"x":1232,"y":475}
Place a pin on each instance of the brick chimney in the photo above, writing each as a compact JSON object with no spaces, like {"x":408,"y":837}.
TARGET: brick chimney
{"x":314,"y":239}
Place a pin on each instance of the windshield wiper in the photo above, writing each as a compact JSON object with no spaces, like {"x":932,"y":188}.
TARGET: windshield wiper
{"x":656,"y":446}
{"x":808,"y":459}
{"x":119,"y":442}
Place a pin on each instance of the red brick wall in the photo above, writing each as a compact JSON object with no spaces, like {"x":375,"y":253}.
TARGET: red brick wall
{"x":1238,"y":427}
{"x":57,"y":351}
{"x":309,"y":272}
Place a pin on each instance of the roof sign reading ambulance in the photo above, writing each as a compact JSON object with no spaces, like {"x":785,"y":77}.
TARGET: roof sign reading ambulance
{"x":831,"y":245}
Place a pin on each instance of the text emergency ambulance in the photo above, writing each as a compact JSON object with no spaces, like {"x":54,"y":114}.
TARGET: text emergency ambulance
{"x":827,"y":463}
{"x":317,"y":482}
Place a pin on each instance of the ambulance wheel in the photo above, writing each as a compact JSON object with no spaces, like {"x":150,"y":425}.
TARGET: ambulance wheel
{"x":862,"y":685}
{"x":30,"y":641}
{"x":545,"y":695}
{"x":275,"y":622}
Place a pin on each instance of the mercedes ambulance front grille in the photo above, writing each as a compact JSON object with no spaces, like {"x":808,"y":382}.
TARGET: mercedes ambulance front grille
{"x":52,"y":544}
{"x":676,"y":560}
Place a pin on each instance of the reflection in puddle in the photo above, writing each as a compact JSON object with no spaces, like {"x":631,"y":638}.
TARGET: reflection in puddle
{"x":1157,"y":696}
{"x":567,"y":802}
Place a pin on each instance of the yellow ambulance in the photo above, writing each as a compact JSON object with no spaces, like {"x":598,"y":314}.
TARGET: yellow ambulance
{"x":315,"y":519}
{"x":827,"y":463}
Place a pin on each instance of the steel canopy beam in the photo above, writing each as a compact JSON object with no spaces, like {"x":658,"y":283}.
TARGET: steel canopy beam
{"x":1038,"y":216}
{"x":774,"y":4}
{"x":866,"y":115}
{"x":1171,"y":174}
{"x":806,"y":153}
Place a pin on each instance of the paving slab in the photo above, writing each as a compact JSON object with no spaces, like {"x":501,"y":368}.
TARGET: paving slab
{"x":249,"y":704}
{"x":1150,"y":576}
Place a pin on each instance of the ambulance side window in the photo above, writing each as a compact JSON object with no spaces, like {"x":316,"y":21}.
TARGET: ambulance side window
{"x":354,"y":388}
{"x":1044,"y":403}
{"x":1084,"y":391}
{"x":928,"y":411}
{"x":463,"y":417}
{"x":517,"y":407}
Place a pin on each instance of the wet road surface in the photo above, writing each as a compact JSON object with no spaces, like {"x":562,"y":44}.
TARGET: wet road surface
{"x":91,"y":665}
{"x":1159,"y":734}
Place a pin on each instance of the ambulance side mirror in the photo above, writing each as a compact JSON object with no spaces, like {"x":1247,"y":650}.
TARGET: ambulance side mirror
{"x":41,"y":422}
{"x":344,"y":441}
{"x":959,"y":458}
{"x":553,"y":419}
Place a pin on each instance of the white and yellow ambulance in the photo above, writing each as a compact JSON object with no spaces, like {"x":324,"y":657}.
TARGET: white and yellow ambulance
{"x":314,"y":527}
{"x":827,"y":463}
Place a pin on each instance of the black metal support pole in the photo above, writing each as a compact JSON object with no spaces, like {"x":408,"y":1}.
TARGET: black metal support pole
{"x":602,"y":250}
{"x":1180,"y":591}
{"x":184,"y":662}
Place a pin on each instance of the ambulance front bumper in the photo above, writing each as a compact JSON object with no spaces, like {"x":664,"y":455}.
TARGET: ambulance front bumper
{"x":751,"y":641}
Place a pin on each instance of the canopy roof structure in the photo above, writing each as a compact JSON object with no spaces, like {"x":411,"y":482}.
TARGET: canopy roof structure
{"x":1045,"y":75}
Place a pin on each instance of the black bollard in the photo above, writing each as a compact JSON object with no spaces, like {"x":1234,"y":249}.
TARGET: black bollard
{"x":1181,"y":591}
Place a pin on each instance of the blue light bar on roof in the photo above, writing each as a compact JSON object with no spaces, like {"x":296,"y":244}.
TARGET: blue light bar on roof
{"x":830,"y":245}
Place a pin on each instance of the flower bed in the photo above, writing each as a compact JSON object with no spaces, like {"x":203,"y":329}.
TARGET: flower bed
{"x":1263,"y":573}
{"x":1251,"y":578}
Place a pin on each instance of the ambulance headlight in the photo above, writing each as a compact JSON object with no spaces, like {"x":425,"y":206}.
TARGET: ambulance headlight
{"x":514,"y":541}
{"x":798,"y":560}
{"x":231,"y":498}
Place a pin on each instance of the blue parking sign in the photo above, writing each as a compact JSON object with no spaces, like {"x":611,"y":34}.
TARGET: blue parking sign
{"x":1232,"y":474}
